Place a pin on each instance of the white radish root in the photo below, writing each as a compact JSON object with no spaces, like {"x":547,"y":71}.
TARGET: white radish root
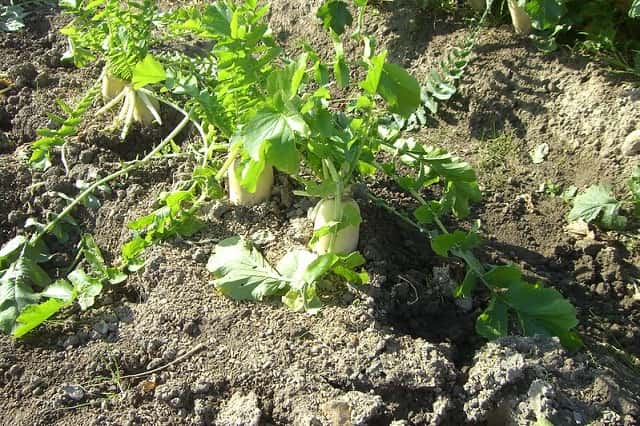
{"x":111,"y":86}
{"x":346,"y":239}
{"x":136,"y":105}
{"x":519,"y":17}
{"x":240,"y":196}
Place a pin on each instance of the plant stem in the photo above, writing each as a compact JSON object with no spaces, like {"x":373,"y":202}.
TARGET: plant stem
{"x":228,"y":162}
{"x":422,"y":201}
{"x":381,"y":203}
{"x":175,"y":106}
{"x":337,"y":209}
{"x":469,"y":259}
{"x":51,"y":225}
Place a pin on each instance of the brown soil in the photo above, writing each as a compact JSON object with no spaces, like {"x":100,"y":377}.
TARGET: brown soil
{"x":400,"y":349}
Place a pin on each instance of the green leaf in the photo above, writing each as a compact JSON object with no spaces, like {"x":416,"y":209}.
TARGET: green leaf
{"x":285,"y":82}
{"x":132,"y":251}
{"x":376,"y":64}
{"x":634,"y":10}
{"x":399,"y":89}
{"x":116,"y":276}
{"x":324,"y":189}
{"x":539,"y":310}
{"x":350,"y":275}
{"x":598,"y":204}
{"x":457,"y":240}
{"x":319,"y":267}
{"x":335,"y":15}
{"x":270,"y":135}
{"x":298,"y":74}
{"x":60,"y":289}
{"x":427,"y":213}
{"x":16,"y":290}
{"x":303,"y":300}
{"x":294,"y":265}
{"x":92,"y":253}
{"x":11,"y":250}
{"x":12,"y":18}
{"x":86,"y":288}
{"x":34,"y":315}
{"x":545,"y":14}
{"x":345,"y":268}
{"x":148,"y":71}
{"x":240,"y":271}
{"x":494,"y":321}
{"x":502,"y":276}
{"x":543,"y":311}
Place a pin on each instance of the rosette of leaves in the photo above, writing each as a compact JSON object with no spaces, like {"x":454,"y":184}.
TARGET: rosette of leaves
{"x":121,"y":33}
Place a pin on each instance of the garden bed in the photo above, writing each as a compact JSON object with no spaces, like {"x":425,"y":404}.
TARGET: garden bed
{"x":398,"y":349}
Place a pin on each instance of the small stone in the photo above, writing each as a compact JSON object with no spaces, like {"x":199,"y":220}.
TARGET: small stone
{"x":631,"y":145}
{"x":191,"y":327}
{"x":262,"y":237}
{"x":42,"y":80}
{"x":74,"y":392}
{"x":101,"y":327}
{"x":134,"y":190}
{"x":154,"y":363}
{"x":240,"y":410}
{"x":23,"y":74}
{"x":52,"y":58}
{"x":15,"y":371}
{"x":202,"y":387}
{"x":169,"y":355}
{"x":201,"y":255}
{"x":153,"y":346}
{"x":86,"y":156}
{"x":71,"y":341}
{"x":219,"y":209}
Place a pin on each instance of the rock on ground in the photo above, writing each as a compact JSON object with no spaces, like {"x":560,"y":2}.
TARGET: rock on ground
{"x":240,"y":410}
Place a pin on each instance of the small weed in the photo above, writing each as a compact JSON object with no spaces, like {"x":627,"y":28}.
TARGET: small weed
{"x":496,"y":152}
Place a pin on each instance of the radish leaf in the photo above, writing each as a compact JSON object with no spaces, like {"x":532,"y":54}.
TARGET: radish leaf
{"x":34,"y":315}
{"x":148,"y":71}
{"x":335,"y":15}
{"x":241,"y":272}
{"x":598,"y":204}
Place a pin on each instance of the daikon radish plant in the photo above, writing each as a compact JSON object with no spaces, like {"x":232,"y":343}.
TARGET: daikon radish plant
{"x":343,"y":141}
{"x":240,"y":272}
{"x":121,"y":34}
{"x":239,"y":101}
{"x":336,"y":217}
{"x":344,"y":213}
{"x":242,"y":196}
